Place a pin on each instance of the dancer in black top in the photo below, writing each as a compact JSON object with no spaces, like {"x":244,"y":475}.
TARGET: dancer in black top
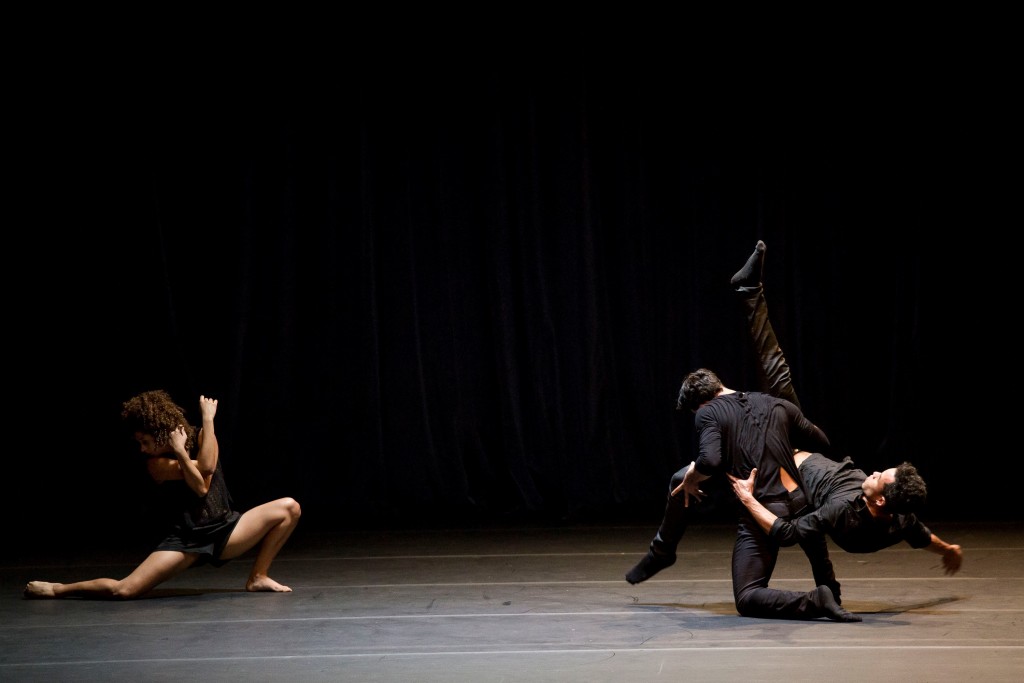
{"x":861,"y":513}
{"x":738,"y":431}
{"x":856,"y":510}
{"x":203,"y":527}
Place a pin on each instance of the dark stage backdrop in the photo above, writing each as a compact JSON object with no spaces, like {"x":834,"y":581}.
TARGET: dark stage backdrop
{"x":461,"y":292}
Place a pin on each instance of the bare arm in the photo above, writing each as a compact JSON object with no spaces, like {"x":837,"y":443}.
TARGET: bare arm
{"x":209,"y":449}
{"x":744,"y":490}
{"x":196,"y":473}
{"x":188,"y":468}
{"x":952,"y":555}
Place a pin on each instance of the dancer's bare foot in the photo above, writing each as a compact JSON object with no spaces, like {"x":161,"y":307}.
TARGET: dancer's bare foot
{"x":40,"y":589}
{"x":266,"y":584}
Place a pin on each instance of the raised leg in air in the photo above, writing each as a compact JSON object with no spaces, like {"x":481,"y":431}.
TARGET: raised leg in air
{"x":775,"y":372}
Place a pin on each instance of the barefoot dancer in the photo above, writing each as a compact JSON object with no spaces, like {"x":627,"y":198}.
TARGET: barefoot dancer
{"x":185,"y":463}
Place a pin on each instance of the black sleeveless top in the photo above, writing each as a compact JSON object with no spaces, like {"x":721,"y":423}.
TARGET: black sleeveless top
{"x":197,"y":524}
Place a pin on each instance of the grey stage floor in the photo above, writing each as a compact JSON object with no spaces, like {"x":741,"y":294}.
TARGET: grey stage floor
{"x":524,"y":604}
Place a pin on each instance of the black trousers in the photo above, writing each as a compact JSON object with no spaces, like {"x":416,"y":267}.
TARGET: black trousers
{"x":754,"y":556}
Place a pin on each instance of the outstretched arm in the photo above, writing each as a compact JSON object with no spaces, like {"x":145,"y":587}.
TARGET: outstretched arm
{"x":952,"y":555}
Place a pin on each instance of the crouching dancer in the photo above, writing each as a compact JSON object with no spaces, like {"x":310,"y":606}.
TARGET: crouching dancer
{"x":185,"y":462}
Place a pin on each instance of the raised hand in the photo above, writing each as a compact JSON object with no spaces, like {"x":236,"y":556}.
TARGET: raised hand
{"x":208,"y":407}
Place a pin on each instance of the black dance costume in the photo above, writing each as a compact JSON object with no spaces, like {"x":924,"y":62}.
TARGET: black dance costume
{"x":736,"y":433}
{"x":842,"y":513}
{"x":199,"y":524}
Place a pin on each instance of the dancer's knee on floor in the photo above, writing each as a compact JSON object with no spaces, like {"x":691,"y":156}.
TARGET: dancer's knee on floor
{"x":747,"y":604}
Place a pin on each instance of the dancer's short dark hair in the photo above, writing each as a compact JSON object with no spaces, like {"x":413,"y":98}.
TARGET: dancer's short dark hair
{"x":907,"y":493}
{"x":700,"y":386}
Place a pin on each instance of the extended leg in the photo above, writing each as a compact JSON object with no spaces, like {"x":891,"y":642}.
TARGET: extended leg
{"x":662,"y":552}
{"x":160,"y":566}
{"x":269,"y":525}
{"x":750,"y":274}
{"x":775,"y":370}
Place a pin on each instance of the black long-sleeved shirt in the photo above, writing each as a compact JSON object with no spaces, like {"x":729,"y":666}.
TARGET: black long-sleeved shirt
{"x":835,"y":490}
{"x":742,"y":430}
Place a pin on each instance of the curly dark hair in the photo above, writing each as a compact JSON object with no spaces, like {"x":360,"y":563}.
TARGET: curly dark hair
{"x":907,"y":493}
{"x":154,"y":413}
{"x":700,"y":386}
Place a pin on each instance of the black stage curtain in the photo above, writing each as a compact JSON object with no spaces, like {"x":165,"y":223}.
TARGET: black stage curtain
{"x":465,"y":291}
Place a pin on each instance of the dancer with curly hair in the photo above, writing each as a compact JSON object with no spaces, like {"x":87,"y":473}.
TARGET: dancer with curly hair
{"x":205,"y":529}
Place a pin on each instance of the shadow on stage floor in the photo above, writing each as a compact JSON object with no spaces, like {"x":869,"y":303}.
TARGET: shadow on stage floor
{"x":522,"y":604}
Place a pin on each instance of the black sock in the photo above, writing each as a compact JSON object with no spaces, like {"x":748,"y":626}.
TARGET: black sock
{"x":822,"y":597}
{"x":750,"y":274}
{"x":648,"y":566}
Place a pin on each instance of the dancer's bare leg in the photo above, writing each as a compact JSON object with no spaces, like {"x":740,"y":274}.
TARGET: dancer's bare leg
{"x":160,"y":566}
{"x":268,"y":525}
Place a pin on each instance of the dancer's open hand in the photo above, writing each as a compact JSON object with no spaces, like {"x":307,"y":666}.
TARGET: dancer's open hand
{"x":690,"y":486}
{"x":744,"y":488}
